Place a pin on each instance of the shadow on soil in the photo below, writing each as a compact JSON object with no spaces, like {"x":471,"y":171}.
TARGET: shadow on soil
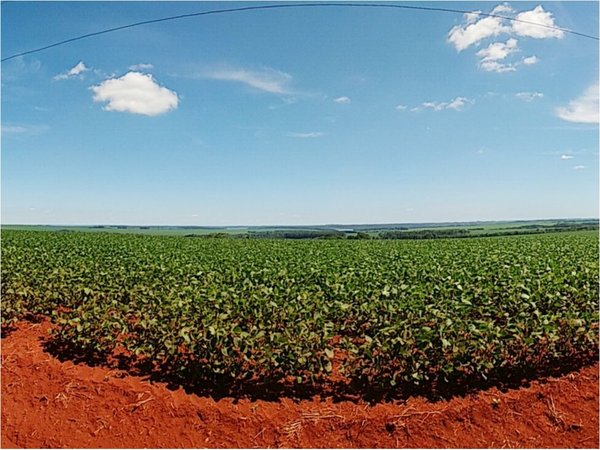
{"x":218,"y":387}
{"x":8,"y":328}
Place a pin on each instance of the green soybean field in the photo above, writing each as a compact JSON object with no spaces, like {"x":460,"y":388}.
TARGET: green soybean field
{"x":389,"y":316}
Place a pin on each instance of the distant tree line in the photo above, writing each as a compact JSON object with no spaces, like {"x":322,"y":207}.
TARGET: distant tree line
{"x":424,"y":234}
{"x":399,"y":234}
{"x":297,"y":234}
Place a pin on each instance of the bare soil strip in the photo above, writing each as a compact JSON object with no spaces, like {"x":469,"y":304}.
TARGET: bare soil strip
{"x":48,"y":403}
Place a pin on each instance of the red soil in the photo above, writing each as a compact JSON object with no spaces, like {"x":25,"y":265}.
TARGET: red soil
{"x":48,"y":403}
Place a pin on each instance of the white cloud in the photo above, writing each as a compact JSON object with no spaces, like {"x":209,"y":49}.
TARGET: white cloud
{"x":536,"y":16}
{"x":457,"y":104}
{"x":471,"y":17}
{"x":530,"y":60}
{"x":578,"y":167}
{"x":266,"y":80}
{"x":502,"y":9}
{"x":135,"y":93}
{"x":584,"y":109}
{"x":312,"y":134}
{"x":498,"y":50}
{"x":463,"y":37}
{"x":491,"y":65}
{"x":78,"y":69}
{"x":565,"y":157}
{"x":401,"y":107}
{"x":529,"y":96}
{"x":142,"y":66}
{"x":495,"y":66}
{"x":436,"y":106}
{"x":536,"y":23}
{"x":342,"y":100}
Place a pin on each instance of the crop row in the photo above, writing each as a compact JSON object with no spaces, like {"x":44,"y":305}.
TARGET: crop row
{"x":386,"y":314}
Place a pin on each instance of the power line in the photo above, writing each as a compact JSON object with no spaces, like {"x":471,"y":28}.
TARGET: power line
{"x":296,"y":5}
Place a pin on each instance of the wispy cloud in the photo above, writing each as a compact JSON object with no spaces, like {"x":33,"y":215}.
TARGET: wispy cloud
{"x":579,"y":167}
{"x":498,"y":67}
{"x":529,"y":96}
{"x":10,"y":129}
{"x":19,"y":67}
{"x":401,"y":107}
{"x":309,"y":135}
{"x":135,"y":93}
{"x":457,"y":104}
{"x":266,"y":79}
{"x":342,"y":100}
{"x":73,"y":72}
{"x":13,"y":129}
{"x":584,"y":109}
{"x":139,"y":67}
{"x":285,"y":101}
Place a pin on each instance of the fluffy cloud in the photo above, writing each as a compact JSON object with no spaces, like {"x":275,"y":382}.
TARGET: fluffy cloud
{"x":78,"y":69}
{"x":266,"y":80}
{"x":312,"y":134}
{"x":502,"y":9}
{"x":342,"y":100}
{"x":536,"y":23}
{"x":135,"y":93}
{"x":462,"y":37}
{"x":529,"y":96}
{"x":496,"y":52}
{"x":540,"y":17}
{"x":584,"y":109}
{"x":530,"y":60}
{"x":565,"y":157}
{"x":471,"y":17}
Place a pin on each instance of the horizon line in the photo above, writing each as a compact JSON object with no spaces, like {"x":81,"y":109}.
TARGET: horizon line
{"x":332,"y":224}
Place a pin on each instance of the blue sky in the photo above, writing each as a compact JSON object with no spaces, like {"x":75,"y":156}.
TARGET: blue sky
{"x":298,"y":116}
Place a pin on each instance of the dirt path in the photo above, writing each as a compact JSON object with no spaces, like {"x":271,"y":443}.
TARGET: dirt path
{"x":48,"y":403}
